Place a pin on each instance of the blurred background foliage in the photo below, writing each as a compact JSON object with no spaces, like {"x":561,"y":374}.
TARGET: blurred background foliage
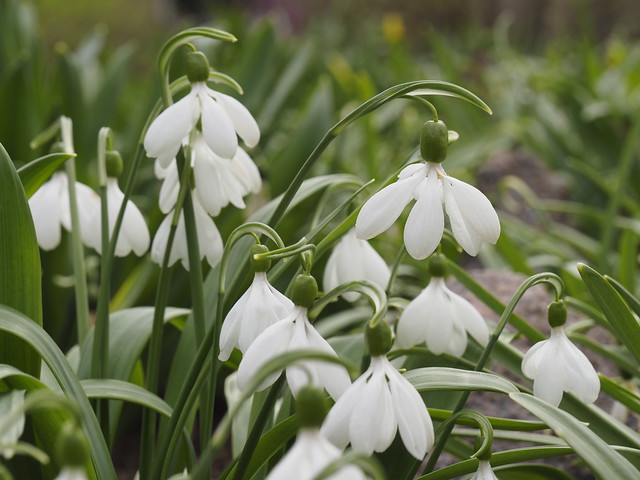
{"x":559,"y":155}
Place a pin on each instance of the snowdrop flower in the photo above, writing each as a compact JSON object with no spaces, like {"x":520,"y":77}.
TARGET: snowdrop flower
{"x":294,"y":332}
{"x":441,"y":319}
{"x":376,"y":406}
{"x":209,"y":239}
{"x":471,"y":216}
{"x":50,"y":208}
{"x":484,"y":472}
{"x":221,"y":116}
{"x":556,"y":366}
{"x":353,"y":259}
{"x":308,"y":456}
{"x":257,"y":309}
{"x":72,"y":473}
{"x":134,"y":233}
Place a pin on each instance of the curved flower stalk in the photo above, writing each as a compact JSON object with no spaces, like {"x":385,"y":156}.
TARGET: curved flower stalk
{"x":310,"y":454}
{"x":484,"y":472}
{"x":257,"y":309}
{"x":376,"y":406}
{"x":293,"y":333}
{"x":353,"y":259}
{"x":556,"y":366}
{"x":472,"y":218}
{"x":441,"y":319}
{"x":50,"y":209}
{"x":209,"y":239}
{"x":134,"y":233}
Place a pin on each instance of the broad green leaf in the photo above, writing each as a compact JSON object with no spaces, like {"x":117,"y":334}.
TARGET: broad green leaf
{"x":496,"y":422}
{"x":20,"y":274}
{"x":621,"y":394}
{"x":632,"y":300}
{"x":601,"y":457}
{"x":19,"y":326}
{"x":623,"y":324}
{"x":442,"y":378}
{"x":128,"y":392}
{"x":38,"y":171}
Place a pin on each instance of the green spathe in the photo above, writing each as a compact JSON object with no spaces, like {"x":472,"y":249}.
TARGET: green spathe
{"x":20,"y":273}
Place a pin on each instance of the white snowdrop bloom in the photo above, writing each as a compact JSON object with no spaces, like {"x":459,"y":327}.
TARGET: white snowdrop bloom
{"x":50,"y":208}
{"x":471,"y":216}
{"x":209,"y":239}
{"x":257,"y":309}
{"x":72,"y":473}
{"x":441,"y":319}
{"x":293,"y":333}
{"x":378,"y":404}
{"x":308,"y":456}
{"x":351,"y":260}
{"x":556,"y":366}
{"x":134,"y":233}
{"x":170,"y":185}
{"x":484,"y":472}
{"x":222,"y":117}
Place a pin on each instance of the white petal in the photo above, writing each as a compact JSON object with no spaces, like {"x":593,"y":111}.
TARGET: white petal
{"x":550,"y":378}
{"x":469,"y":317}
{"x":582,"y":379}
{"x":170,"y":187}
{"x":246,"y":172}
{"x":270,"y":344}
{"x":336,"y":425}
{"x":45,"y":210}
{"x":242,"y":120}
{"x":532,"y":359}
{"x":485,"y":472}
{"x":381,"y":210}
{"x":468,"y":239}
{"x":476,"y":209}
{"x":169,"y":128}
{"x":425,"y":224}
{"x":439,"y":317}
{"x":209,"y":239}
{"x":217,"y":128}
{"x":412,"y":324}
{"x":458,"y":341}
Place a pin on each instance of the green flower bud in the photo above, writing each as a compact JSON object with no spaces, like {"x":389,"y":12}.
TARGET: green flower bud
{"x":557,"y":313}
{"x":71,"y":446}
{"x":434,"y":141}
{"x":304,"y":290}
{"x":379,"y":338}
{"x":197,"y":67}
{"x":263,"y":264}
{"x":114,"y":163}
{"x":311,"y":406}
{"x":437,"y":266}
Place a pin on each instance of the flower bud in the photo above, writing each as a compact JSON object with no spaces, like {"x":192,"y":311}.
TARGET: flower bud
{"x":311,"y":406}
{"x":114,"y":163}
{"x":434,"y":141}
{"x":263,"y":264}
{"x":437,"y":266}
{"x":557,"y":313}
{"x":197,"y":67}
{"x":71,"y":446}
{"x":379,"y":338}
{"x":304,"y":290}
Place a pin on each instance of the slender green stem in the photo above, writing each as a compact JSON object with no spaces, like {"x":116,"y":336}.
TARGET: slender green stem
{"x":79,"y":269}
{"x":550,"y":278}
{"x":394,"y":268}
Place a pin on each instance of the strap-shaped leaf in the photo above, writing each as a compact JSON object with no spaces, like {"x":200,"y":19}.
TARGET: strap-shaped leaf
{"x":603,"y":460}
{"x":36,"y":172}
{"x":623,"y":324}
{"x":20,"y":274}
{"x":442,"y":378}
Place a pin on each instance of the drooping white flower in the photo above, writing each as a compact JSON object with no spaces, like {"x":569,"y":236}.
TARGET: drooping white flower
{"x":293,"y":333}
{"x":378,"y":404}
{"x":484,"y":472}
{"x":556,"y":366}
{"x":134,"y":233}
{"x":471,"y":216}
{"x":50,"y":208}
{"x":72,"y":473}
{"x":441,"y":319}
{"x":257,"y":309}
{"x":209,"y":239}
{"x":222,"y":117}
{"x":353,"y":259}
{"x":308,"y":456}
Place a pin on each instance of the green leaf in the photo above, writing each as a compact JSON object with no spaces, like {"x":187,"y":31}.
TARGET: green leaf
{"x":621,"y":394}
{"x":36,"y":172}
{"x":20,"y":274}
{"x":531,"y":471}
{"x":623,"y":324}
{"x":442,"y":378}
{"x":16,"y":325}
{"x":446,"y":89}
{"x":601,"y":457}
{"x":128,"y":392}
